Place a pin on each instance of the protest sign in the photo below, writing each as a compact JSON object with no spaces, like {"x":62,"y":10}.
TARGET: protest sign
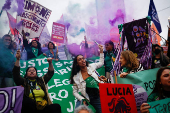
{"x":140,"y":96}
{"x":145,"y":79}
{"x":34,"y":17}
{"x":11,"y":99}
{"x":60,"y":89}
{"x":58,"y":32}
{"x":117,"y":98}
{"x":161,"y":106}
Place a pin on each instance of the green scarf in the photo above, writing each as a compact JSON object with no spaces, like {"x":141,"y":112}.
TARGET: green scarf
{"x":91,"y":83}
{"x":35,"y":51}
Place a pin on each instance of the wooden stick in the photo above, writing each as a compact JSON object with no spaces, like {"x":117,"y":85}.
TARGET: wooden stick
{"x":115,"y":77}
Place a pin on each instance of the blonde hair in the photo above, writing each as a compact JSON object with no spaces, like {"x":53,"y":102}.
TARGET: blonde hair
{"x":132,"y":62}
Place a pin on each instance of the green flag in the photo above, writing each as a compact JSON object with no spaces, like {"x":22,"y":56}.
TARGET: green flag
{"x":146,"y":79}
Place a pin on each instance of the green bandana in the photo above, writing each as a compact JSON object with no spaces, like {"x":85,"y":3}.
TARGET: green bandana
{"x":125,"y":69}
{"x":35,"y":51}
{"x":91,"y":83}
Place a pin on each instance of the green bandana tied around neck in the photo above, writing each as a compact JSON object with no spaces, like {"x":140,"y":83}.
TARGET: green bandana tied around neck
{"x":125,"y":69}
{"x":35,"y":51}
{"x":91,"y":83}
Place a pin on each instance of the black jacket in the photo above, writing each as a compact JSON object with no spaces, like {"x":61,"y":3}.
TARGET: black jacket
{"x":28,"y":48}
{"x":23,"y":81}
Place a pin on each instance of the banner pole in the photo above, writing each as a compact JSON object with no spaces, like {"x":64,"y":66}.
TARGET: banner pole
{"x":115,"y":77}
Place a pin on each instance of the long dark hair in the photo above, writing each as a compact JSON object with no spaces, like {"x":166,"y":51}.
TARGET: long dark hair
{"x":52,"y":44}
{"x":28,"y":69}
{"x":75,"y":69}
{"x":158,"y":86}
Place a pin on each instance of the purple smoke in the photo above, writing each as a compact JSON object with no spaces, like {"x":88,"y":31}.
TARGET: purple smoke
{"x":7,"y":5}
{"x":67,"y":24}
{"x":19,"y":24}
{"x":119,"y":16}
{"x":20,"y":6}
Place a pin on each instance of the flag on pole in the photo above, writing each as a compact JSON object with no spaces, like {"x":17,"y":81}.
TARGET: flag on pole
{"x":12,"y":24}
{"x":156,"y":39}
{"x":154,"y":16}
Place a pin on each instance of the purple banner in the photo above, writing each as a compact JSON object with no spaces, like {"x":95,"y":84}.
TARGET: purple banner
{"x":11,"y":99}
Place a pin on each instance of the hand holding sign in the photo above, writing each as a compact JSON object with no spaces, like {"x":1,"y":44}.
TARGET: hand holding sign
{"x":123,"y":75}
{"x":144,"y":108}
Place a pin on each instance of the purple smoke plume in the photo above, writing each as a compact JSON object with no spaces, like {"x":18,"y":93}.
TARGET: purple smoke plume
{"x":67,"y":24}
{"x":19,"y":24}
{"x":20,"y":6}
{"x":119,"y":16}
{"x":7,"y":5}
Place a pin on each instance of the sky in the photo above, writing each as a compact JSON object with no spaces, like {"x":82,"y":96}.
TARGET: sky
{"x":82,"y":10}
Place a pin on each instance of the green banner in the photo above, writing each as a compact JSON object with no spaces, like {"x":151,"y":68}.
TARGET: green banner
{"x":146,"y":79}
{"x":60,"y":89}
{"x":161,"y":106}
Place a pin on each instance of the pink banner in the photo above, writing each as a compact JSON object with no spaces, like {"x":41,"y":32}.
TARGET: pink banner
{"x":58,"y":32}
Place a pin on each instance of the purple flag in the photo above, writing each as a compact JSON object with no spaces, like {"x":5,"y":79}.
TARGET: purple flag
{"x":11,"y":99}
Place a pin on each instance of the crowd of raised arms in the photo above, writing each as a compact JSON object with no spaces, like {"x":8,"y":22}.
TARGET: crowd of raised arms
{"x":36,"y":99}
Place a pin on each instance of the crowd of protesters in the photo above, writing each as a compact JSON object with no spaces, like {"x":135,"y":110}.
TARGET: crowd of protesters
{"x":82,"y":72}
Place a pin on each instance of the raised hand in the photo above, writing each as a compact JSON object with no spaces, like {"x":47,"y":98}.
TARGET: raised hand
{"x":18,"y":55}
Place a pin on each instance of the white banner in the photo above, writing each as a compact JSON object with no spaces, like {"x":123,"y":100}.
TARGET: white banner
{"x":34,"y":18}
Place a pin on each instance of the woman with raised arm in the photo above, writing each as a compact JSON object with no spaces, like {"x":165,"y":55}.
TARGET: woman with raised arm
{"x":35,"y":99}
{"x":51,"y":53}
{"x":85,"y":79}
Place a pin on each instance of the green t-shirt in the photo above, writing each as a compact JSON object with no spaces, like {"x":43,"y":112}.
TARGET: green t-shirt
{"x":91,"y":83}
{"x":108,"y":61}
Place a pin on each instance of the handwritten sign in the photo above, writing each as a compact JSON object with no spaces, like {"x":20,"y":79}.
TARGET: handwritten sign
{"x":117,"y":98}
{"x":161,"y":106}
{"x":34,"y":18}
{"x":140,"y":95}
{"x":58,"y":32}
{"x":11,"y":99}
{"x":141,"y":78}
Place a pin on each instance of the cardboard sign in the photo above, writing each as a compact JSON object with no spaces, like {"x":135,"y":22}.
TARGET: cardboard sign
{"x":34,"y":18}
{"x":117,"y":98}
{"x":58,"y":32}
{"x":11,"y":99}
{"x":161,"y":106}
